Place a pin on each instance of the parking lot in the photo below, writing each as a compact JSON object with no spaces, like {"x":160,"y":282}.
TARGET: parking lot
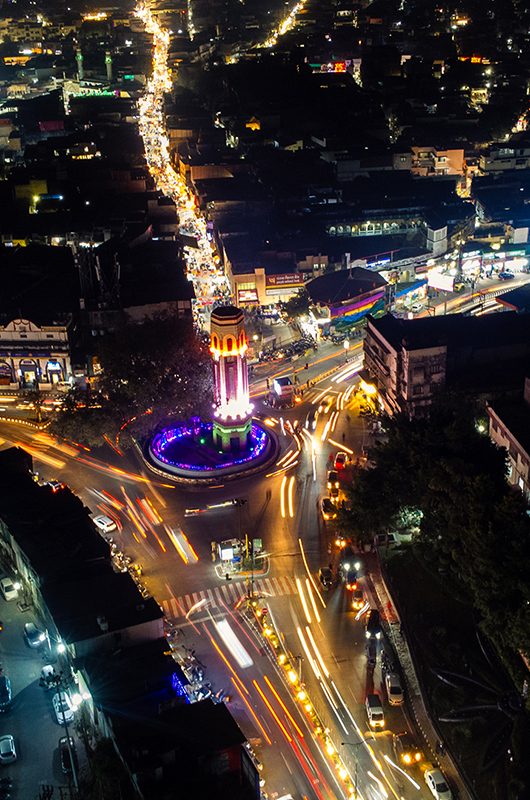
{"x":30,"y":718}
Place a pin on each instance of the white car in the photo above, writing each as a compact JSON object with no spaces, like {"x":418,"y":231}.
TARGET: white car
{"x":436,"y":783}
{"x":63,"y":707}
{"x":104,"y":524}
{"x":8,"y":753}
{"x":394,"y":689}
{"x":8,"y":589}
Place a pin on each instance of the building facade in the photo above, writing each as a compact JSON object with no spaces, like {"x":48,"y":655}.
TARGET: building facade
{"x":33,"y":356}
{"x":509,"y":427}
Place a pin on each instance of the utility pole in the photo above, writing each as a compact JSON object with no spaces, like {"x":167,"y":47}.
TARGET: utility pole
{"x":356,"y":764}
{"x":58,"y":682}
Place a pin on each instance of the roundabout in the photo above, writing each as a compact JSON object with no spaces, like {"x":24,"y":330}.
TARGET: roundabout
{"x":233,"y":443}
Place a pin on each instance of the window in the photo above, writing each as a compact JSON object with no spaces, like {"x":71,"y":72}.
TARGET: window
{"x":418,"y":389}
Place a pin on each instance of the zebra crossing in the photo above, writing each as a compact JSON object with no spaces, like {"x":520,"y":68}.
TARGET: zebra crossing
{"x":228,"y":593}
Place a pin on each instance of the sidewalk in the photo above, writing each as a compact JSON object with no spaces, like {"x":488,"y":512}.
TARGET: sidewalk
{"x":390,"y":616}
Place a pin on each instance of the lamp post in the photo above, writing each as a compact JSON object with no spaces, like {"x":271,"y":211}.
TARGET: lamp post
{"x":356,"y":763}
{"x":58,"y":682}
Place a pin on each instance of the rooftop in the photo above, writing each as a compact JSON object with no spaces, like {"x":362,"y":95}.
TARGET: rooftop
{"x":454,"y":329}
{"x":338,"y":287}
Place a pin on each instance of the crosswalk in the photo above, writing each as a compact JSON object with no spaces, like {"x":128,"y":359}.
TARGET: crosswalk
{"x":228,"y":593}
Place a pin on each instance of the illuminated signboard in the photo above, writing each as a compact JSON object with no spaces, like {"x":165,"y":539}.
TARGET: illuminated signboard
{"x":441,"y":281}
{"x":247,"y":296}
{"x":289,"y":280}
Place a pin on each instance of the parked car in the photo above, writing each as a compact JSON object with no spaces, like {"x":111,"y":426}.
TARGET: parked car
{"x":341,"y":460}
{"x":333,"y":479}
{"x":394,"y":688}
{"x":374,"y":711}
{"x":64,"y":752}
{"x":406,"y":750}
{"x":437,"y":785}
{"x":325,"y":576}
{"x":5,"y":692}
{"x":104,"y":524}
{"x":8,"y":752}
{"x":63,"y":707}
{"x":334,"y":494}
{"x":33,"y":635}
{"x":8,"y":588}
{"x":373,"y":625}
{"x":328,"y":509}
{"x":505,"y":275}
{"x":416,"y":308}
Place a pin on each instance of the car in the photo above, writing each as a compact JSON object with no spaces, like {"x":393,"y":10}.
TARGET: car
{"x":374,"y":711}
{"x":54,"y":485}
{"x":394,"y":689}
{"x":326,"y":404}
{"x":333,"y":479}
{"x":341,"y":460}
{"x":311,"y":419}
{"x":5,"y":692}
{"x":351,"y":580}
{"x":437,"y":784}
{"x":328,"y":509}
{"x":505,"y":275}
{"x":64,"y":753}
{"x":8,"y":589}
{"x":416,"y":308}
{"x":373,"y":625}
{"x":348,"y":562}
{"x":325,"y":576}
{"x":8,"y":752}
{"x":33,"y":635}
{"x":104,"y":524}
{"x":357,"y":600}
{"x":406,"y":750}
{"x":63,"y":707}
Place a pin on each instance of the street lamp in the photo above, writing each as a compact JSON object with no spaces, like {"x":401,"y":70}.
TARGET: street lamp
{"x":355,"y":777}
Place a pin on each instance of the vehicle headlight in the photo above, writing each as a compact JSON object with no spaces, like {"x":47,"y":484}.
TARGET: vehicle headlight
{"x":42,"y":637}
{"x":367,"y":634}
{"x":378,"y":635}
{"x":346,"y":566}
{"x":357,"y":565}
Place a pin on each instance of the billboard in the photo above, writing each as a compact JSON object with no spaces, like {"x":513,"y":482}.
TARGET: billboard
{"x":289,"y":280}
{"x":247,"y":296}
{"x":441,"y":281}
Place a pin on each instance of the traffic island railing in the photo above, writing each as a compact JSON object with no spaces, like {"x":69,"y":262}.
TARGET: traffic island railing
{"x":258,"y":616}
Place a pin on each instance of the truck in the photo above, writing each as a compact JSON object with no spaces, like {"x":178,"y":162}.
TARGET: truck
{"x":282,"y":394}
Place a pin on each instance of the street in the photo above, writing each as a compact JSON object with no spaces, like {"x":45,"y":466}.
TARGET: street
{"x":169,"y":529}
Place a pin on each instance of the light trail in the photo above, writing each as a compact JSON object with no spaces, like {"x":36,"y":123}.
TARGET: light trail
{"x":252,"y":712}
{"x":312,"y":598}
{"x":284,"y":707}
{"x":273,"y":712}
{"x":317,"y":651}
{"x":341,"y":447}
{"x":282,"y":496}
{"x":233,"y":644}
{"x":403,"y":772}
{"x":303,"y":600}
{"x":304,"y":559}
{"x":291,"y":496}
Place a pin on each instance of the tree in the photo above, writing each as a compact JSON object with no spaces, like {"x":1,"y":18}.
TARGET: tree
{"x":472,"y":522}
{"x":152,"y":372}
{"x":36,"y":398}
{"x":297,"y":305}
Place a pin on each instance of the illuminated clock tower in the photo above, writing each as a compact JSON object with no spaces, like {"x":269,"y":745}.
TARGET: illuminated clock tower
{"x":228,"y":346}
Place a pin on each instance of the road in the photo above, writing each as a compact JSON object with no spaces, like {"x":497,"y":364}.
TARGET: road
{"x":169,"y":531}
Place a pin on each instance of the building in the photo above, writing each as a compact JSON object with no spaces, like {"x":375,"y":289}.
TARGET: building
{"x":34,"y":356}
{"x":349,"y":294}
{"x":411,"y":361}
{"x":109,"y":638}
{"x":509,"y":427}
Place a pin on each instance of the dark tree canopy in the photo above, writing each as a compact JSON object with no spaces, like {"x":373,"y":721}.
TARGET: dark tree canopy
{"x":151,"y":372}
{"x":472,"y":523}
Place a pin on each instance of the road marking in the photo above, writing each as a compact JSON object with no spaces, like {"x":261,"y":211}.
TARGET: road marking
{"x":228,"y":593}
